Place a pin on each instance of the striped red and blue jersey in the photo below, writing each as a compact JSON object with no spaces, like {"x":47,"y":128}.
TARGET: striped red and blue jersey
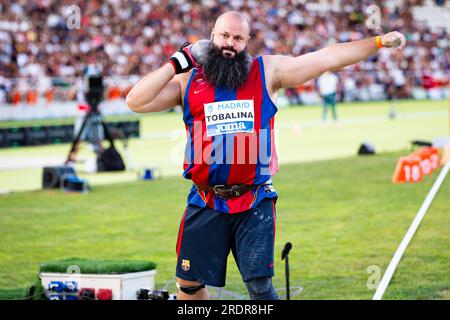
{"x":230,"y":139}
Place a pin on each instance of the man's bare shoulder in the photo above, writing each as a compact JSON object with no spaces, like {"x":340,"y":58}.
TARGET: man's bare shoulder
{"x":267,"y":59}
{"x":270,"y":63}
{"x":272,"y":59}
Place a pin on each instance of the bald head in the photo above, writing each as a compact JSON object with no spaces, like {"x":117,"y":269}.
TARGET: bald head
{"x":231,"y":30}
{"x":233,"y":19}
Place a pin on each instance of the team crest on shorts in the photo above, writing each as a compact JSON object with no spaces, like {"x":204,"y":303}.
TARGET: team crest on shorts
{"x":185,"y":265}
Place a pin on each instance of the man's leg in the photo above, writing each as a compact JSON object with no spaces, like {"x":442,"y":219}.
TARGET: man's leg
{"x":191,"y":290}
{"x":253,"y":248}
{"x":333,"y":105}
{"x":202,"y":250}
{"x":261,"y":289}
{"x":324,"y":109}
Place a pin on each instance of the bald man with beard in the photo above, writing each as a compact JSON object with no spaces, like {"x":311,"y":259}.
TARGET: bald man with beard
{"x":228,"y":111}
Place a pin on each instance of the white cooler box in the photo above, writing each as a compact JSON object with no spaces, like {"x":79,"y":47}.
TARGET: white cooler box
{"x":124,"y":286}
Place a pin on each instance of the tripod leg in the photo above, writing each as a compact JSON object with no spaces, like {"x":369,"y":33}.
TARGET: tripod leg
{"x":106,"y":132}
{"x":73,"y":152}
{"x":75,"y":143}
{"x":96,"y":141}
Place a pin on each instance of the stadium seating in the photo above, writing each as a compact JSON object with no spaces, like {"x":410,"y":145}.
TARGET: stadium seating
{"x":42,"y":60}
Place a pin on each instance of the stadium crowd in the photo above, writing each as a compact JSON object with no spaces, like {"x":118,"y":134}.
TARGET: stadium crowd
{"x":123,"y":38}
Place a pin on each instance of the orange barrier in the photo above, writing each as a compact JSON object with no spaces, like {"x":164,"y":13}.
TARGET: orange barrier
{"x":429,"y":159}
{"x":408,"y":170}
{"x":31,"y":96}
{"x":49,"y":95}
{"x":420,"y":163}
{"x":435,"y":157}
{"x":16,"y":97}
{"x":114,"y":93}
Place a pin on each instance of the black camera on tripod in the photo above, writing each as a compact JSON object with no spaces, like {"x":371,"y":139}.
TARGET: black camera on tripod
{"x":96,"y":129}
{"x":95,"y":91}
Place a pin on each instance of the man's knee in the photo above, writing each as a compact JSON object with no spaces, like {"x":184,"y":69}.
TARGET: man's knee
{"x":189,"y":287}
{"x":259,"y":285}
{"x":261,"y":289}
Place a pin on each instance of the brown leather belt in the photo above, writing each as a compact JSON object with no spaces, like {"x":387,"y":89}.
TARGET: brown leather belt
{"x":227,"y":192}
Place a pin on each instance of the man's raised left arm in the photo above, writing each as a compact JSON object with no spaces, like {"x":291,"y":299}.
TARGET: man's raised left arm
{"x":286,"y":72}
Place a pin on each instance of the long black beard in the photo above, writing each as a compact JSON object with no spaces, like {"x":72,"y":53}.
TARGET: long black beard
{"x":228,"y":73}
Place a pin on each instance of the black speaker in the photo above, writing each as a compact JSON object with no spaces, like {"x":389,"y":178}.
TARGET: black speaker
{"x":52,"y":176}
{"x":366,"y":149}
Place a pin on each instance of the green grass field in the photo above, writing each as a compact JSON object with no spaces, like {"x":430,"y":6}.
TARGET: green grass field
{"x":341,"y":216}
{"x":340,"y":212}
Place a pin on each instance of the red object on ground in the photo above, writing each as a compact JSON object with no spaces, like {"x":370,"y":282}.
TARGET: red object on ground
{"x":104,"y":294}
{"x":429,"y":159}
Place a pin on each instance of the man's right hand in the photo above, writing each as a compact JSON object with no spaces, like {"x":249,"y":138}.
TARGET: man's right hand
{"x":393,"y":39}
{"x":182,"y":60}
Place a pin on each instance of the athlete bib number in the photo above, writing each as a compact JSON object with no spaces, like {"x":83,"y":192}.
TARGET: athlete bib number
{"x":229,"y":117}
